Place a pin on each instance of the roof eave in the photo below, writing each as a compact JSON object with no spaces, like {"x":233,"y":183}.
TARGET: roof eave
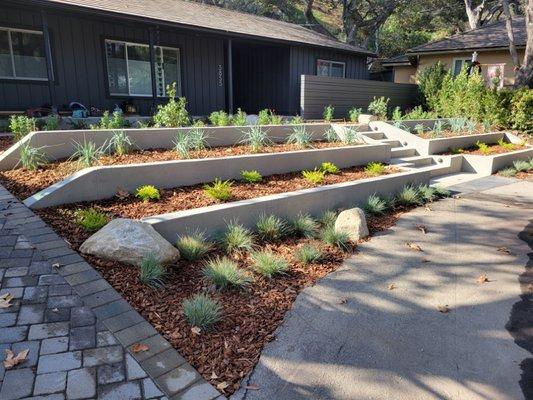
{"x":447,"y":51}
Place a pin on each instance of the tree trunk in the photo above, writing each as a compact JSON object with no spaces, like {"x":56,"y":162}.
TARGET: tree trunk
{"x":473,"y":13}
{"x":312,"y":22}
{"x":510,"y":33}
{"x":524,"y":76}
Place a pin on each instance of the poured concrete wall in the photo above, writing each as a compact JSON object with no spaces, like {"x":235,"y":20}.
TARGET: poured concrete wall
{"x":99,"y":183}
{"x":313,"y":201}
{"x":488,"y":165}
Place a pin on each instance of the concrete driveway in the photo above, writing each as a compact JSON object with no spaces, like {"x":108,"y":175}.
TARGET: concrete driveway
{"x":353,"y":337}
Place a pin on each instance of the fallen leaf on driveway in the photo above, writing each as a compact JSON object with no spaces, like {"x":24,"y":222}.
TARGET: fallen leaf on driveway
{"x":413,"y":246}
{"x":504,"y":250}
{"x":56,"y":265}
{"x":252,"y":387}
{"x":5,"y":300}
{"x":422,"y":228}
{"x":483,"y":279}
{"x":428,"y":208}
{"x":222,"y":385}
{"x":12,"y":359}
{"x":392,"y":286}
{"x":343,"y":301}
{"x":443,"y":309}
{"x":139,"y":347}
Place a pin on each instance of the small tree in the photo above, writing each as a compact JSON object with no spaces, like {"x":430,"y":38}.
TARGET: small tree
{"x":430,"y":82}
{"x":173,"y":114}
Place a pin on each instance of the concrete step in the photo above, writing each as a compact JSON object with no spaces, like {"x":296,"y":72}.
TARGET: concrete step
{"x":374,"y":135}
{"x":394,"y":143}
{"x":416,"y":161}
{"x":403,"y":152}
{"x":448,"y":180}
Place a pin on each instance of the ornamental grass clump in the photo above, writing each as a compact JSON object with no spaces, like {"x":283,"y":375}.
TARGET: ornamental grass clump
{"x":269,"y":264}
{"x":147,"y":193}
{"x":471,"y":126}
{"x":329,"y":168}
{"x":270,"y":227}
{"x":506,"y":145}
{"x":508,"y":172}
{"x":251,"y":176}
{"x":300,"y":137}
{"x":308,"y":254}
{"x":441,"y":192}
{"x":87,"y":153}
{"x":375,"y":169}
{"x":182,"y":144}
{"x":303,"y":226}
{"x":521,"y":165}
{"x":457,"y":125}
{"x":193,"y":247}
{"x":219,"y":190}
{"x":314,"y":177}
{"x":375,"y":205}
{"x":256,"y":138}
{"x":32,"y":158}
{"x":90,"y":219}
{"x":152,"y":272}
{"x":236,"y":238}
{"x":327,"y":218}
{"x":427,"y":193}
{"x":225,"y":274}
{"x":408,"y":196}
{"x":202,"y":311}
{"x":120,"y":143}
{"x":335,"y":238}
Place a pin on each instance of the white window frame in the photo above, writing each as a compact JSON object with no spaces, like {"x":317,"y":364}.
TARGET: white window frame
{"x":331,"y":62}
{"x":15,"y":77}
{"x":463,"y":60}
{"x":129,"y":94}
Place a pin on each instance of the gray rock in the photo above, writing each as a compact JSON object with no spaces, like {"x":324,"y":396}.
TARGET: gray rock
{"x":129,"y":241}
{"x":353,"y":222}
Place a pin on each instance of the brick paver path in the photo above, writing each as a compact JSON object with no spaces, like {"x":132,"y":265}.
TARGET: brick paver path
{"x":78,"y":329}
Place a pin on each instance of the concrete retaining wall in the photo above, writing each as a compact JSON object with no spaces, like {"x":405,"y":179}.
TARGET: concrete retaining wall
{"x":58,"y":145}
{"x":99,"y":183}
{"x":313,"y":201}
{"x":488,"y":165}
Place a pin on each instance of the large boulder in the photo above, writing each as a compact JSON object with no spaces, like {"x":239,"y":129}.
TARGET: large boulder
{"x":352,"y":222}
{"x":129,"y":241}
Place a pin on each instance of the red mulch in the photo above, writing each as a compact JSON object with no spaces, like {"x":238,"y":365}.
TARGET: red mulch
{"x":447,"y":133}
{"x":5,"y":143}
{"x":494,"y":149}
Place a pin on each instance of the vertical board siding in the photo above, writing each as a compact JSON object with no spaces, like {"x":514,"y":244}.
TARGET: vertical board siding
{"x":319,"y":91}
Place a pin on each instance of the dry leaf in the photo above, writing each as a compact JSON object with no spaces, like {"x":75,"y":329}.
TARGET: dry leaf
{"x":56,"y":265}
{"x":392,"y":286}
{"x":422,"y":228}
{"x":139,"y":347}
{"x":12,"y":360}
{"x":413,"y":246}
{"x":483,"y":279}
{"x":343,"y":301}
{"x":504,"y":250}
{"x":252,"y":387}
{"x":213,"y":375}
{"x":5,"y":300}
{"x":443,"y":309}
{"x":122,"y":194}
{"x":222,"y":385}
{"x":196,"y":330}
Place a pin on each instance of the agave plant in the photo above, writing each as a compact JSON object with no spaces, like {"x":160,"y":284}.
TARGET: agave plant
{"x":256,"y":138}
{"x":457,"y":125}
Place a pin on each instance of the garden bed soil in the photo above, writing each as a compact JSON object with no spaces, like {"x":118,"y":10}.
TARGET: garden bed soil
{"x":446,"y":134}
{"x":494,"y":149}
{"x":5,"y":142}
{"x":227,"y":353}
{"x":26,"y":183}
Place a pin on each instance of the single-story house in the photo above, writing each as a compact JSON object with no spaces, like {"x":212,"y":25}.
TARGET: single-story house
{"x":106,"y":52}
{"x":490,"y":43}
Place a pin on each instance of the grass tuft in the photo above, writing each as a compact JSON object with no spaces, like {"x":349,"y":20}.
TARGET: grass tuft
{"x":329,"y":168}
{"x":152,"y":272}
{"x":202,"y":311}
{"x":375,"y":169}
{"x":269,"y":264}
{"x":427,"y":193}
{"x":508,"y":172}
{"x":335,"y":238}
{"x":256,"y":138}
{"x":308,"y":254}
{"x":521,"y":165}
{"x":270,"y":227}
{"x":375,"y":205}
{"x":300,"y":137}
{"x":236,"y":238}
{"x":409,"y":196}
{"x":193,"y":247}
{"x":225,"y":274}
{"x":303,"y":226}
{"x":120,"y":143}
{"x":32,"y":158}
{"x":219,"y":190}
{"x":87,"y":153}
{"x":441,"y":192}
{"x":327,"y":218}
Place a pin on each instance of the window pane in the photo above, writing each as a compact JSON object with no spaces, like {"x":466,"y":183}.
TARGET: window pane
{"x":6,"y":68}
{"x":171,"y":68}
{"x":337,"y":70}
{"x":140,"y":79}
{"x":28,"y":55}
{"x":322,"y":68}
{"x":457,"y":67}
{"x":116,"y":68}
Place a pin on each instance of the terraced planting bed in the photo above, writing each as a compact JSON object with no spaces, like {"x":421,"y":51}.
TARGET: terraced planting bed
{"x":484,"y":149}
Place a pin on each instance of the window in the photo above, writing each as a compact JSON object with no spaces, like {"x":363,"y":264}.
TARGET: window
{"x":459,"y":64}
{"x":330,"y":68}
{"x":22,"y":55}
{"x":129,"y":70}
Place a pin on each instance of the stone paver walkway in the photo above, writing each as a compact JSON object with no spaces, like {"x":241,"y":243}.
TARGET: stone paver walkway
{"x":78,"y":329}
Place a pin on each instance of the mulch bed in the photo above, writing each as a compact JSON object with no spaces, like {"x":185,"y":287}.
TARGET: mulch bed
{"x":446,"y":134}
{"x":229,"y":352}
{"x":26,"y":183}
{"x":494,"y":149}
{"x":5,"y":143}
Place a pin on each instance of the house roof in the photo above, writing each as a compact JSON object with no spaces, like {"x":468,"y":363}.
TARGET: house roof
{"x":397,"y":60}
{"x":192,"y":14}
{"x":490,"y":36}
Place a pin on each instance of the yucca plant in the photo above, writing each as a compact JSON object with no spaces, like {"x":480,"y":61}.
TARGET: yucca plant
{"x":147,"y":193}
{"x":335,"y":238}
{"x":120,"y":143}
{"x":268,"y":263}
{"x":408,"y":196}
{"x":327,"y":218}
{"x":193,"y":247}
{"x":225,"y":274}
{"x":308,"y":254}
{"x":236,"y":238}
{"x":251,"y":176}
{"x":197,"y":139}
{"x":457,"y":125}
{"x":315,"y":177}
{"x":351,"y":135}
{"x":471,"y":126}
{"x":329,"y":168}
{"x":375,"y":169}
{"x":303,"y":226}
{"x":300,"y":137}
{"x":330,"y":135}
{"x":152,"y":272}
{"x":375,"y":205}
{"x":87,"y":153}
{"x":256,"y":138}
{"x":219,"y":190}
{"x":438,"y":127}
{"x":31,"y":157}
{"x":521,"y":165}
{"x":270,"y":227}
{"x":90,"y":219}
{"x":202,"y":311}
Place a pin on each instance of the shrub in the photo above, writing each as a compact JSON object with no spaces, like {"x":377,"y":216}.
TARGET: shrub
{"x":20,"y":126}
{"x":193,"y":247}
{"x":270,"y":227}
{"x":152,"y":272}
{"x":219,"y":118}
{"x":329,"y":168}
{"x":256,"y":138}
{"x":315,"y":177}
{"x":506,"y":145}
{"x":147,"y":193}
{"x":335,"y":238}
{"x":90,"y":219}
{"x":331,"y":136}
{"x":328,"y":113}
{"x":508,"y":172}
{"x":351,"y":135}
{"x":522,"y":110}
{"x":483,"y":148}
{"x":375,"y":205}
{"x":115,"y":121}
{"x":219,"y":190}
{"x":31,"y":157}
{"x":87,"y":154}
{"x":251,"y":176}
{"x":201,"y":311}
{"x":239,"y":118}
{"x":52,"y":123}
{"x":297,"y":120}
{"x":303,"y":225}
{"x":379,"y":107}
{"x":120,"y":143}
{"x":236,"y":238}
{"x":521,"y":165}
{"x":263,"y":117}
{"x":225,"y":274}
{"x":327,"y":218}
{"x":427,"y":193}
{"x":274,"y":119}
{"x":268,"y":264}
{"x":173,"y":114}
{"x":354,"y":113}
{"x":408,"y":196}
{"x":308,"y":254}
{"x":419,"y":113}
{"x":396,"y":114}
{"x":430,"y":83}
{"x":375,"y":169}
{"x":300,"y":137}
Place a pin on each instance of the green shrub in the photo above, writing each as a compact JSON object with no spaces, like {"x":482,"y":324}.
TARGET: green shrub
{"x":462,"y":95}
{"x":335,"y":238}
{"x":300,"y":137}
{"x":396,"y":114}
{"x":427,"y":193}
{"x":419,"y":113}
{"x":31,"y":157}
{"x":90,"y":219}
{"x":120,"y":143}
{"x":152,"y":272}
{"x":328,"y":113}
{"x":375,"y":169}
{"x":521,"y":165}
{"x":308,"y":254}
{"x":193,"y":247}
{"x":354,"y":113}
{"x":115,"y":121}
{"x":52,"y":123}
{"x":275,"y":119}
{"x":173,"y":114}
{"x":329,"y":168}
{"x":315,"y":177}
{"x":201,"y":311}
{"x":256,"y":138}
{"x":508,"y":172}
{"x":483,"y":148}
{"x":441,"y":192}
{"x":303,"y":226}
{"x":430,"y":83}
{"x":239,"y":118}
{"x":219,"y":190}
{"x":268,"y":264}
{"x":297,"y":120}
{"x":375,"y":205}
{"x":521,"y":115}
{"x":379,"y":107}
{"x":251,"y":176}
{"x":87,"y":154}
{"x":225,"y":274}
{"x":270,"y":227}
{"x":219,"y":118}
{"x":268,"y":117}
{"x":20,"y":126}
{"x":408,"y":196}
{"x":236,"y":238}
{"x":327,"y":218}
{"x":147,"y":193}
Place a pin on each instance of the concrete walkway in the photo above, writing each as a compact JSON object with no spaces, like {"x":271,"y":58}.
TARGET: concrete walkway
{"x":352,"y":337}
